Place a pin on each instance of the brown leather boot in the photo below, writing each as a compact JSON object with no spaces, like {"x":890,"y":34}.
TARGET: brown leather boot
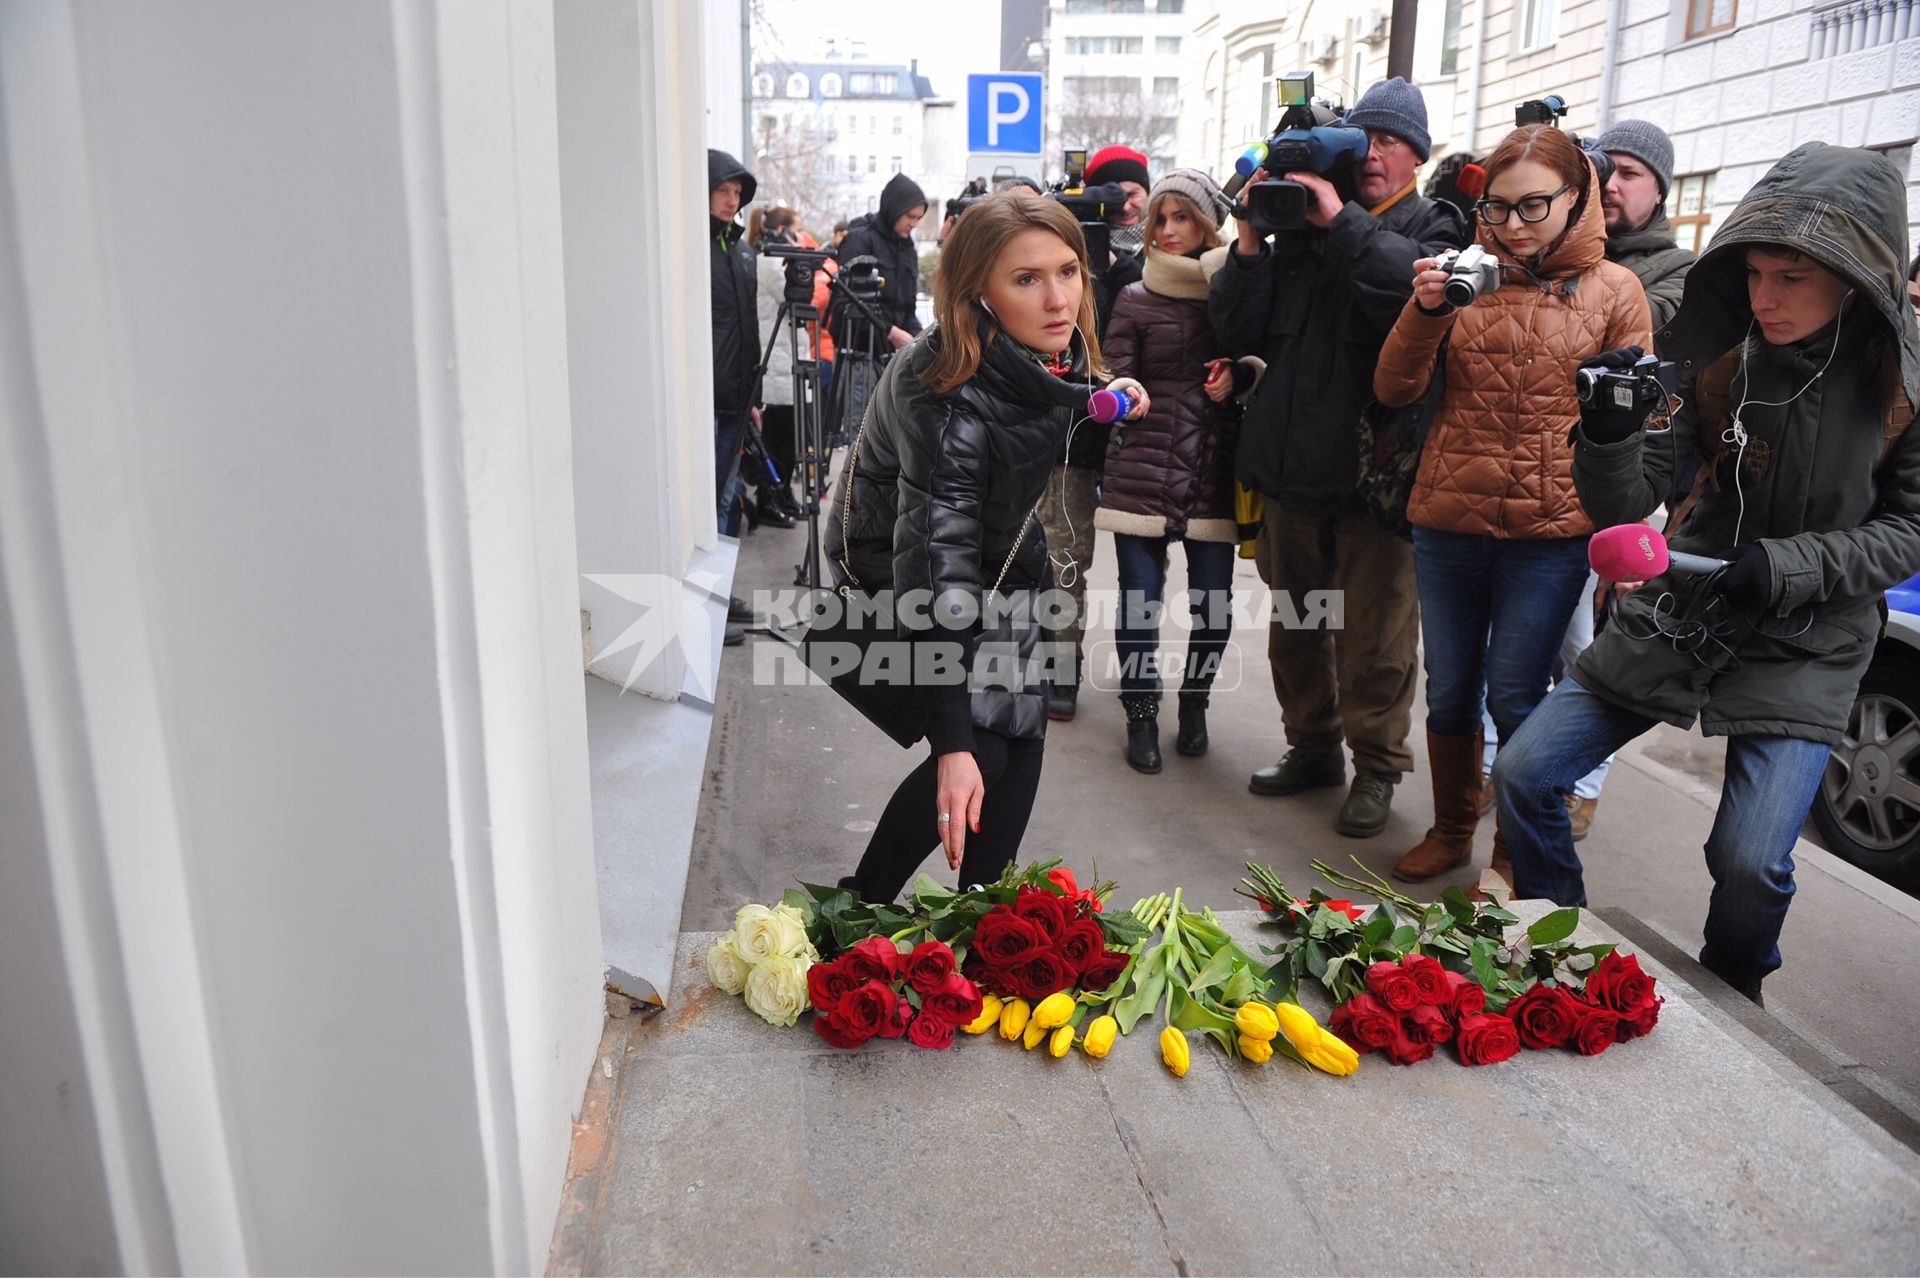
{"x":1456,"y":809}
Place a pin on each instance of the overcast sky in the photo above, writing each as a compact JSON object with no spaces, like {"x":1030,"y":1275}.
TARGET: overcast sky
{"x":952,"y":38}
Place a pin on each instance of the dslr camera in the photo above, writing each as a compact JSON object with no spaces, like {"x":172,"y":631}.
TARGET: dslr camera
{"x":1308,"y":139}
{"x":1649,"y":382}
{"x":1549,"y":110}
{"x":1472,"y":273}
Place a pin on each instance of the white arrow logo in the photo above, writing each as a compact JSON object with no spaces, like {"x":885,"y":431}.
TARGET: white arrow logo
{"x":670,"y":612}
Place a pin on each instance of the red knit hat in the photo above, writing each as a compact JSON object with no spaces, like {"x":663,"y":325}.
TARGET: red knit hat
{"x":1117,"y":164}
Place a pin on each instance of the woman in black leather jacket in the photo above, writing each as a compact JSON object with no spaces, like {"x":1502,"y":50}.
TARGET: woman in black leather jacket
{"x":936,"y":512}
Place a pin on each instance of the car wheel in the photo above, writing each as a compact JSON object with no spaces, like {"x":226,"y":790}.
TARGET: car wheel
{"x":1868,"y":805}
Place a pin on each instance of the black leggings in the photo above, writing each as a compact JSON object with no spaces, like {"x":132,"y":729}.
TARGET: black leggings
{"x":1010,"y":767}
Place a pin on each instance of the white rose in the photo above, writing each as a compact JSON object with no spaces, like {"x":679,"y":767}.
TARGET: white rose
{"x":761,"y":933}
{"x":793,"y":912}
{"x":725,"y":968}
{"x":777,"y":989}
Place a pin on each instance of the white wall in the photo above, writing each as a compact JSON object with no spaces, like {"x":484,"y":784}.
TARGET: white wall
{"x":315,"y":779}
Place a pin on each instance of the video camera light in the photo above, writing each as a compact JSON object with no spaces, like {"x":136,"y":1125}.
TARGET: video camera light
{"x":1295,"y":88}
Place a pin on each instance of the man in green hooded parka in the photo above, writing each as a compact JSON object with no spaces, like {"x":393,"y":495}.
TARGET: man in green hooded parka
{"x":1799,"y":371}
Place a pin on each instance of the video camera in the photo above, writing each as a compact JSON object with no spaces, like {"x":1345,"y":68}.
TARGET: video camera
{"x":1549,"y":111}
{"x":1094,"y":207}
{"x":1649,"y":381}
{"x":1308,"y":139}
{"x":801,"y":263}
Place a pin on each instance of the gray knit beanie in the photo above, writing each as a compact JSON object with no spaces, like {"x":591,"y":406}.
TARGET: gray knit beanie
{"x":1198,"y":187}
{"x":1647,"y":143}
{"x":1396,"y":107}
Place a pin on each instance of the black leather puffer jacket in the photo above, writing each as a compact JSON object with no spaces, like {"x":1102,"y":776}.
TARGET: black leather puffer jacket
{"x":942,"y":488}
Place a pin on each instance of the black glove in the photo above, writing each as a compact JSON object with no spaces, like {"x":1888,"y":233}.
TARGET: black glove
{"x":1606,"y":424}
{"x":1746,"y":583}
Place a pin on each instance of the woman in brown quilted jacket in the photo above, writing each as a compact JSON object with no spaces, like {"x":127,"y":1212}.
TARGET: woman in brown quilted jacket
{"x":1169,"y":476}
{"x":1499,"y":536}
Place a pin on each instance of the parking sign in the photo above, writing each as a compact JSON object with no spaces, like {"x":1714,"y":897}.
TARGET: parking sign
{"x":1004,"y":115}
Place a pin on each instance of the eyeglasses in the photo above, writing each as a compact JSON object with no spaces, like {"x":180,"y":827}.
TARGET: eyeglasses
{"x":1385,"y":143}
{"x":1532,"y":209}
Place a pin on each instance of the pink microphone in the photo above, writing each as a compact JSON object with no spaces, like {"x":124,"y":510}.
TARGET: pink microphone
{"x":1635,"y":552}
{"x":1109,"y":405}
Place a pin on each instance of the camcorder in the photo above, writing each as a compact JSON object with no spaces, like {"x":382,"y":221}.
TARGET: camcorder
{"x":861,"y":276}
{"x":1472,"y":273}
{"x":1549,"y":111}
{"x":974,"y":192}
{"x":1648,"y":382}
{"x":1308,"y":139}
{"x":801,"y":263}
{"x":1094,"y":207}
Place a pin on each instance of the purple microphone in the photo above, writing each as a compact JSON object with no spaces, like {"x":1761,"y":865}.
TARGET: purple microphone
{"x":1109,"y":405}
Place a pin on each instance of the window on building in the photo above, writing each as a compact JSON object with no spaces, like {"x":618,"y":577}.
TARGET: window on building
{"x":1690,"y":209}
{"x":762,"y":85}
{"x":859,"y":84}
{"x":1166,"y":86}
{"x":853,"y":164}
{"x":830,"y":85}
{"x":1450,"y":39}
{"x":853,"y":124}
{"x":1102,"y":85}
{"x":1537,"y":19}
{"x":1164,"y":45}
{"x":873,"y":164}
{"x":899,"y":124}
{"x":1171,"y":6}
{"x":898,"y":163}
{"x":797,"y":86}
{"x":1710,"y":17}
{"x":1106,"y":6}
{"x":873,"y":124}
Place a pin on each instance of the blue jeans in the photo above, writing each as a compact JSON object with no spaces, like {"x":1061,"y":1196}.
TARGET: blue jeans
{"x":1492,"y":613}
{"x":1142,"y":564}
{"x":729,"y":429}
{"x":1770,"y":785}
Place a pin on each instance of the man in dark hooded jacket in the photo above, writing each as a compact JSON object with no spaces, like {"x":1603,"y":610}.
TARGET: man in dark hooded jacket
{"x":888,"y":236}
{"x":1317,"y":305}
{"x":736,"y":320}
{"x":1798,"y":350}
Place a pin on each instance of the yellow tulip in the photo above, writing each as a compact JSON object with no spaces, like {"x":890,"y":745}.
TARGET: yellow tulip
{"x":1034,"y":1032}
{"x":1062,"y":1041}
{"x":988,"y":1018}
{"x":1297,"y":1023}
{"x":1099,"y":1040}
{"x":1257,"y":1050}
{"x":1013,"y":1018}
{"x":1256,"y":1020}
{"x":1054,"y":1011}
{"x":1333,"y":1056}
{"x":1173,"y":1050}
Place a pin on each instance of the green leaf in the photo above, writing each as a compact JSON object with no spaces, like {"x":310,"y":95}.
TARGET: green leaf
{"x":1494,"y":914}
{"x":1557,"y":926}
{"x":1480,"y":955}
{"x":1192,"y":1014}
{"x":1317,"y":961}
{"x":823,"y":894}
{"x":1243,"y":986}
{"x":1379,"y":926}
{"x":1580,"y":962}
{"x":1124,"y":931}
{"x":1402,"y":939}
{"x":1217,"y":970}
{"x":798,"y":900}
{"x":1458,"y":905}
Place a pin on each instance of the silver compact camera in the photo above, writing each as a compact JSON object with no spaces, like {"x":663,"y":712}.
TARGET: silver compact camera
{"x":1473,"y":273}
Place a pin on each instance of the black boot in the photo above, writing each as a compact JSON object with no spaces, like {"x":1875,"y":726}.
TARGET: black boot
{"x":767,"y":509}
{"x":789,"y":505}
{"x":1063,"y":702}
{"x":1143,"y":733}
{"x":1192,"y":739}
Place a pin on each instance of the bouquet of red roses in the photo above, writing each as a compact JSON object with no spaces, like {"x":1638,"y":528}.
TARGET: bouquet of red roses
{"x":1617,"y":1004}
{"x":875,"y":991}
{"x":1414,"y":1006}
{"x":1044,"y":942}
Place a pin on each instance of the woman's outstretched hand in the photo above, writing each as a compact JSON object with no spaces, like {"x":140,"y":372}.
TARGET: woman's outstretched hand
{"x":961,"y":792}
{"x":1136,"y":392}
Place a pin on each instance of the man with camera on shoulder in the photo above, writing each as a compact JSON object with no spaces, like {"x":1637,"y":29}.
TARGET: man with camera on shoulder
{"x":1317,"y":303}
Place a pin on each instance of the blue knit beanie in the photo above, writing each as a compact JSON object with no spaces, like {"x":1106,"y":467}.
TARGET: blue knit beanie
{"x":1396,"y":107}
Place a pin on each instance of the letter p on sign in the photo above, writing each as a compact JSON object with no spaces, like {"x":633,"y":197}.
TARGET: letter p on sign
{"x":1004,"y":114}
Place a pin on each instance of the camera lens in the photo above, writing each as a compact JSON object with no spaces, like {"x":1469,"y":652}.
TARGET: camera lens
{"x":1585,"y":382}
{"x":1461,"y":292}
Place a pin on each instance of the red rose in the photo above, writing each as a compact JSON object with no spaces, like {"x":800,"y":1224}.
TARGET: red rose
{"x":957,"y":1001}
{"x":1041,"y":907}
{"x":1464,"y":996}
{"x":1044,"y":975}
{"x":1081,"y":942}
{"x":1004,"y":981}
{"x":1428,"y":977}
{"x":1004,"y":939}
{"x":1393,"y":985}
{"x":898,"y":1019}
{"x":1546,"y":1016}
{"x":1088,"y":900}
{"x":1104,"y":970}
{"x":1364,"y":1023}
{"x":929,"y":966}
{"x":838,"y":1033}
{"x":1598,"y":1030}
{"x":1347,"y":908}
{"x":1061,"y":877}
{"x":1428,"y":1024}
{"x":874,"y":959}
{"x":931,"y":1032}
{"x":827,"y":984}
{"x":1485,"y":1038}
{"x":1619,"y":985}
{"x":1405,"y":1049}
{"x":865,"y":1010}
{"x":1642,"y":1021}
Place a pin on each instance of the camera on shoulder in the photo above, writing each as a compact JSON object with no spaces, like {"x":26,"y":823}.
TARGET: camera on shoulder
{"x":1308,"y":139}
